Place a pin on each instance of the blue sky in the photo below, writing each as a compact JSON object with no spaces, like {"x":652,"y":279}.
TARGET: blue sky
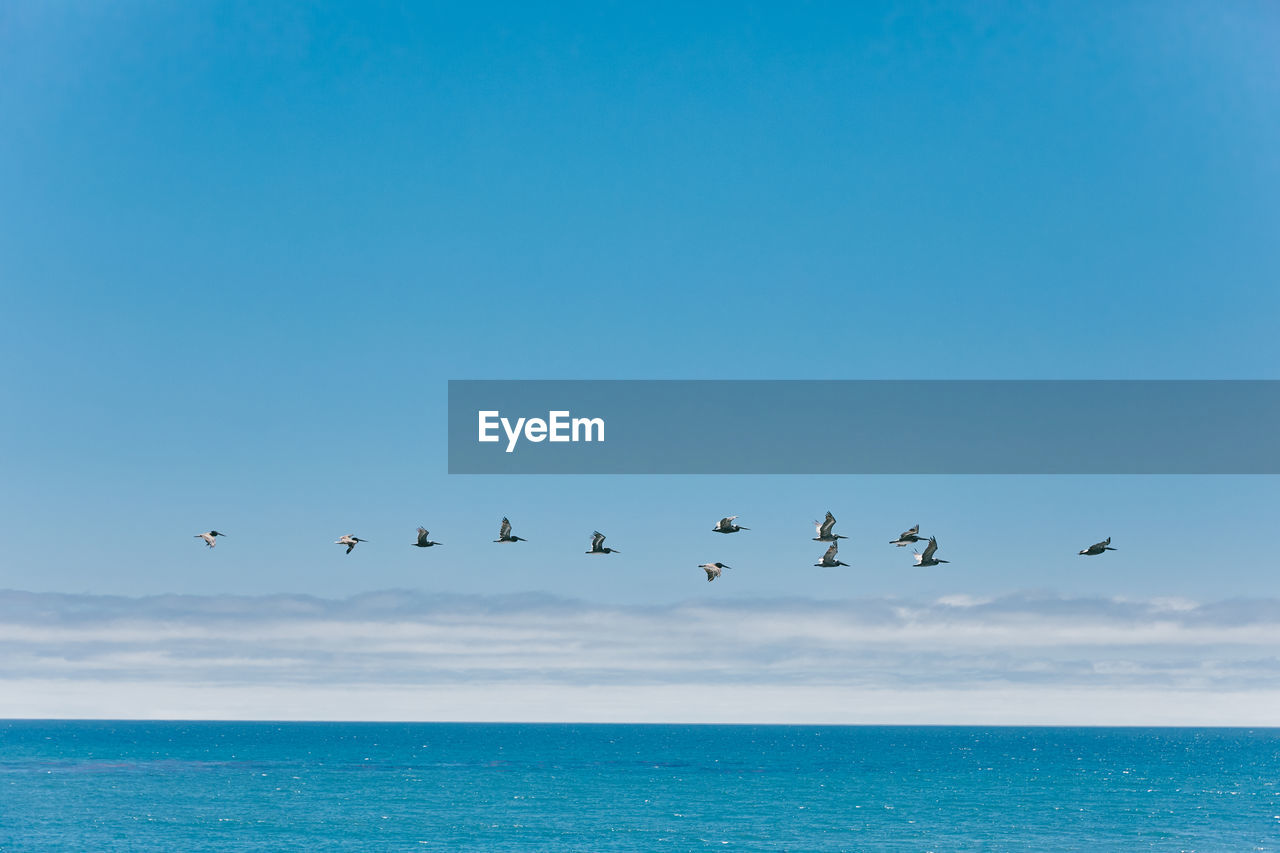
{"x":243,"y":250}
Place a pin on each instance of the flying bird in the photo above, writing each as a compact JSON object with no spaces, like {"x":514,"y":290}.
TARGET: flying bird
{"x":597,"y":545}
{"x":907,"y":537}
{"x":423,"y":541}
{"x":926,"y":559}
{"x":504,"y":533}
{"x":726,"y":525}
{"x":209,"y":538}
{"x":829,"y":560}
{"x":824,"y":530}
{"x":713,"y":570}
{"x":1098,"y":547}
{"x":350,"y":541}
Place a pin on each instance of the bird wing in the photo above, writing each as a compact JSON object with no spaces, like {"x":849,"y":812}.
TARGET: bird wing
{"x":930,"y":548}
{"x":831,"y":552}
{"x":351,"y":547}
{"x":912,"y":532}
{"x":597,"y":541}
{"x":830,"y":522}
{"x":726,"y":522}
{"x":506,"y":529}
{"x":422,"y":535}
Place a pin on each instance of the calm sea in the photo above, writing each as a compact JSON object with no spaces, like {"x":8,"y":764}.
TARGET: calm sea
{"x":181,"y":786}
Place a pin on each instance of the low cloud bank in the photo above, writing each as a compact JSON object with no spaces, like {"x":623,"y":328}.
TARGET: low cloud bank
{"x":410,"y":655}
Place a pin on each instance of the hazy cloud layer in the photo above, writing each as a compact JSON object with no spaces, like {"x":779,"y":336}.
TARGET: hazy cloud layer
{"x":540,"y":647}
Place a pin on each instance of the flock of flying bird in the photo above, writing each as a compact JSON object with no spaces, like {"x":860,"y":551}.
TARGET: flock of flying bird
{"x":825,"y":529}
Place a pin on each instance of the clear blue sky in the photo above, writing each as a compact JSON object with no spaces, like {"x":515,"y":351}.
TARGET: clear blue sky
{"x":243,"y":250}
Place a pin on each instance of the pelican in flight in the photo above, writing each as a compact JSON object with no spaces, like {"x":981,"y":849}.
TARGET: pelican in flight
{"x":726,"y":525}
{"x":829,"y":560}
{"x":907,"y":537}
{"x":824,"y":530}
{"x":713,"y":570}
{"x":504,"y":533}
{"x":597,"y":545}
{"x":423,"y":541}
{"x":1098,"y":547}
{"x":926,"y":559}
{"x":210,"y":537}
{"x":350,"y":541}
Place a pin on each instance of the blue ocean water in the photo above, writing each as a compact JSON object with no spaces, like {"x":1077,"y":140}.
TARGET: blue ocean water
{"x":183,"y":786}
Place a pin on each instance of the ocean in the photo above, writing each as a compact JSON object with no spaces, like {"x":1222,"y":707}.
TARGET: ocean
{"x":203,"y":786}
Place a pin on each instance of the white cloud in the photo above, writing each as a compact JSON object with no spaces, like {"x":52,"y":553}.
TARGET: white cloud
{"x":400,"y":654}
